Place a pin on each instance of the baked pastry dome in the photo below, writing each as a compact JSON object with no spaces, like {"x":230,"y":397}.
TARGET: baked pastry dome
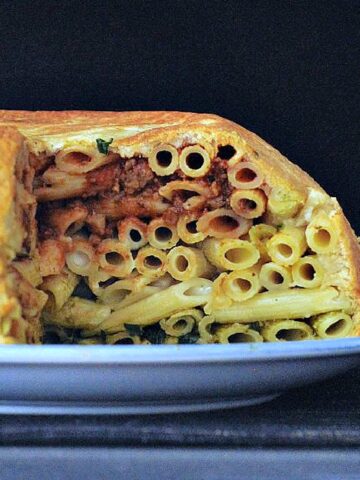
{"x":165,"y":227}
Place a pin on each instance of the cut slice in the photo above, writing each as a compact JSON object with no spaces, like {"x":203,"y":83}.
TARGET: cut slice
{"x":112,"y":225}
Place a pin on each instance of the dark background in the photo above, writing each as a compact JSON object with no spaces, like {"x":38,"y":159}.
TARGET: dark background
{"x":289,"y":70}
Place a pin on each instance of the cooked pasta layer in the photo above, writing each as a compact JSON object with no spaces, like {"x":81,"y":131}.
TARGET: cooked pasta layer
{"x":165,"y":228}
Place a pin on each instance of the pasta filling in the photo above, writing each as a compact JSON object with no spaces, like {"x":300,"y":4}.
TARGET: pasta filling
{"x":182,"y":244}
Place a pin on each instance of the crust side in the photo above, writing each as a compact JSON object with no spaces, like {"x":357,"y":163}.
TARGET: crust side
{"x":11,"y":144}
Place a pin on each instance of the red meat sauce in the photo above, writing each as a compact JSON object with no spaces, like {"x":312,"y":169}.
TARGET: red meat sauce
{"x":129,"y":188}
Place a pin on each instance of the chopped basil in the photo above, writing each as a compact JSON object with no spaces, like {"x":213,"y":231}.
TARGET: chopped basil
{"x":255,"y":326}
{"x":103,"y":336}
{"x":154,"y":334}
{"x":191,"y":337}
{"x":103,"y":145}
{"x":134,"y":330}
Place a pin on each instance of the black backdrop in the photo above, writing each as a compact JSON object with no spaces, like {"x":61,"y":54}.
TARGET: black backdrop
{"x":289,"y":70}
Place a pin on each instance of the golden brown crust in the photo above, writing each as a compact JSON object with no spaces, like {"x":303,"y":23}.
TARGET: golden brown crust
{"x":11,"y":143}
{"x":132,"y":131}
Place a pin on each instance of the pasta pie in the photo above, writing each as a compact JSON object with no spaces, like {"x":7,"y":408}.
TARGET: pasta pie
{"x":164,"y":227}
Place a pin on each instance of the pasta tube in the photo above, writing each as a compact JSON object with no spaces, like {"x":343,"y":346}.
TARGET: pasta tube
{"x":237,"y":333}
{"x":81,"y":258}
{"x":284,"y":203}
{"x":181,"y":323}
{"x":187,"y":229}
{"x":81,"y":160}
{"x":287,"y":246}
{"x":223,"y":223}
{"x":308,"y":272}
{"x":248,"y":203}
{"x":123,"y":338}
{"x":161,"y":235}
{"x":321,"y":234}
{"x":132,"y":233}
{"x":217,"y":298}
{"x":115,"y":258}
{"x":118,"y":291}
{"x":189,"y":294}
{"x":194,"y":161}
{"x":241,"y":285}
{"x":164,"y":159}
{"x":30,"y":270}
{"x":207,"y":329}
{"x":286,"y":330}
{"x":230,"y":254}
{"x":245,"y":175}
{"x":259,"y":234}
{"x":151,"y":262}
{"x":184,"y":263}
{"x":275,"y":277}
{"x":59,"y":288}
{"x":333,"y":325}
{"x":78,"y":313}
{"x":293,"y":303}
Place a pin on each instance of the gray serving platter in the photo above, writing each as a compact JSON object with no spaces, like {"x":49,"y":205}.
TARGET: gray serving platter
{"x":138,"y":379}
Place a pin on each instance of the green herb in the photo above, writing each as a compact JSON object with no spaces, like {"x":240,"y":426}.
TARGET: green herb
{"x":255,"y":326}
{"x":134,"y":330}
{"x":103,"y":336}
{"x":154,"y":334}
{"x":103,"y":145}
{"x":189,"y":338}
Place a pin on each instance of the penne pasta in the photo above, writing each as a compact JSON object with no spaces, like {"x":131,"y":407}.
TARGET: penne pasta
{"x":79,"y":160}
{"x":287,"y":246}
{"x":308,"y":272}
{"x":30,"y":270}
{"x":164,"y":159}
{"x":162,"y":235}
{"x":78,"y":313}
{"x":193,"y":194}
{"x":194,"y":161}
{"x":321,"y":234}
{"x":81,"y":257}
{"x":122,"y":338}
{"x":51,"y":257}
{"x":117,"y":292}
{"x":284,"y":203}
{"x":259,"y":234}
{"x":293,"y":303}
{"x":151,"y":261}
{"x":287,"y":331}
{"x":223,"y":223}
{"x":207,"y":329}
{"x":245,"y":175}
{"x":217,"y":298}
{"x":275,"y":277}
{"x":99,"y":279}
{"x":184,"y":263}
{"x":181,"y":323}
{"x":132,"y":233}
{"x":237,"y":333}
{"x":115,"y":258}
{"x":67,"y":221}
{"x":241,"y":285}
{"x":187,"y":229}
{"x":230,"y":254}
{"x":59,"y":288}
{"x":185,"y":295}
{"x":333,"y":325}
{"x":248,"y":203}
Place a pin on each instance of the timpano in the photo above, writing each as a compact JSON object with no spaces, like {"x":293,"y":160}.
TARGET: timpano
{"x":165,"y":228}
